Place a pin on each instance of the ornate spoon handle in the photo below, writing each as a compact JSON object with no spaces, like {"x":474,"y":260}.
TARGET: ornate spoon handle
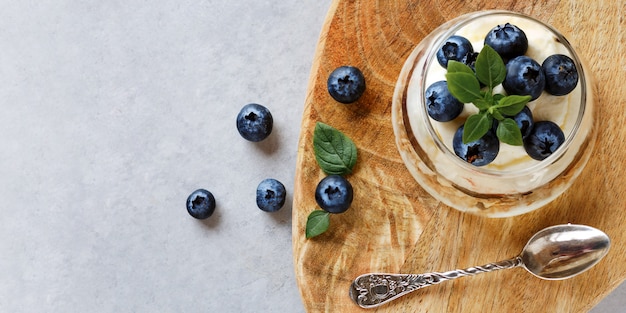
{"x":374,"y":289}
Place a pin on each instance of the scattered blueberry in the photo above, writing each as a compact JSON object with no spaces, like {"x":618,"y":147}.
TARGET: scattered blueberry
{"x":334,"y":194}
{"x":201,"y":204}
{"x":480,"y":152}
{"x":270,"y":195}
{"x":524,"y":120}
{"x":544,"y":139}
{"x":442,"y":106}
{"x":508,"y":40}
{"x":455,"y":48}
{"x":524,"y":76}
{"x":254,"y":122}
{"x":346,"y":84}
{"x":561,"y":74}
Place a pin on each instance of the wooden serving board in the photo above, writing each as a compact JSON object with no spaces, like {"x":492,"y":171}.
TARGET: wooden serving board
{"x":395,"y":226}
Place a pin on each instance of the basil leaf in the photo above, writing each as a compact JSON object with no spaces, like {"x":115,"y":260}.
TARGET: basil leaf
{"x":495,"y":113}
{"x":335,"y":153}
{"x":456,"y":66}
{"x":490,"y":68}
{"x":513,"y":104}
{"x":497,"y":97}
{"x":488,"y":96}
{"x":482,"y":104}
{"x":509,"y":132}
{"x":476,"y":126}
{"x":463,"y":86}
{"x":317,"y":223}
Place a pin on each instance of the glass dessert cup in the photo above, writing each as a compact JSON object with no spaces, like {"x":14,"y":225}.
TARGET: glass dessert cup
{"x":488,"y":191}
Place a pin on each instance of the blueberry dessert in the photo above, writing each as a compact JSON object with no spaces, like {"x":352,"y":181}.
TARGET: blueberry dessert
{"x":526,"y":128}
{"x":507,"y":83}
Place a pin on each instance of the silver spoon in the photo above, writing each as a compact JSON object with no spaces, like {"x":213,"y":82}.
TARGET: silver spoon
{"x":556,"y":252}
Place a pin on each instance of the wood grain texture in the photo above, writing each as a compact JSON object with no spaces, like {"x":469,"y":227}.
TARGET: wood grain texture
{"x":395,"y":226}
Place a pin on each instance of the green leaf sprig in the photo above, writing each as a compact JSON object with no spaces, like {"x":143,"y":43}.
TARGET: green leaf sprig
{"x":464,"y":84}
{"x":317,"y":223}
{"x":335,"y":153}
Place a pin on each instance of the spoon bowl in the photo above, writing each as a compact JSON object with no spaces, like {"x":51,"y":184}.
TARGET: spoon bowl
{"x":556,"y":252}
{"x":564,"y":251}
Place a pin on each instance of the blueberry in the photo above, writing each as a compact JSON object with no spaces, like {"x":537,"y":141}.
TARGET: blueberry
{"x":470,"y":60}
{"x":346,"y":84}
{"x":334,"y":194}
{"x":524,"y":120}
{"x":455,"y":48}
{"x":524,"y":76}
{"x":201,"y":204}
{"x":508,"y":40}
{"x":544,"y":139}
{"x":480,"y":152}
{"x":270,"y":195}
{"x":561,"y":74}
{"x":254,"y":122}
{"x":441,"y":105}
